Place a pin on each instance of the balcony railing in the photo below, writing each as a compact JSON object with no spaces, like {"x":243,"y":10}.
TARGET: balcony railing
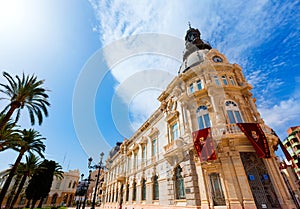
{"x":234,"y":129}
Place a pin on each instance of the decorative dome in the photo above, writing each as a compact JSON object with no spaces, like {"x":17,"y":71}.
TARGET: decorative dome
{"x":193,"y":59}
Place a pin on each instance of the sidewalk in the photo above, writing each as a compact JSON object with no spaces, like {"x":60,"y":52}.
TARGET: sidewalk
{"x":86,"y":207}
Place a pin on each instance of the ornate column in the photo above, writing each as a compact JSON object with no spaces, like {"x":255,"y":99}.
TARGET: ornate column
{"x":230,"y":182}
{"x":241,"y":176}
{"x":202,"y":185}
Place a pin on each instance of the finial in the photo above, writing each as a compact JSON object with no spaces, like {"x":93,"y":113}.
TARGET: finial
{"x":189,"y":23}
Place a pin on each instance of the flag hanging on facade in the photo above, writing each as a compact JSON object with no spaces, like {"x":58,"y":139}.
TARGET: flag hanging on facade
{"x":257,"y":138}
{"x":204,"y":144}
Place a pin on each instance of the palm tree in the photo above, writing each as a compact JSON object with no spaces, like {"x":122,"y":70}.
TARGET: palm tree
{"x":9,"y":135}
{"x":59,"y":174}
{"x":31,"y":142}
{"x":24,"y":92}
{"x":26,"y":170}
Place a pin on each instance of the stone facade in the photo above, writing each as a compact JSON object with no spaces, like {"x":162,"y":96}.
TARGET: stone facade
{"x":158,"y":166}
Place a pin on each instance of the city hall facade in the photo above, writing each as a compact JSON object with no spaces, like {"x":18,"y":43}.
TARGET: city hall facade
{"x":206,"y":146}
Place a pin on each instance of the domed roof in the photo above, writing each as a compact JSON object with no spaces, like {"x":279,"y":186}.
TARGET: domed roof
{"x":193,"y":59}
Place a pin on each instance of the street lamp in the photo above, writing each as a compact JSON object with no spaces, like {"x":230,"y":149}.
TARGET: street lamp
{"x":99,"y":167}
{"x":87,"y":183}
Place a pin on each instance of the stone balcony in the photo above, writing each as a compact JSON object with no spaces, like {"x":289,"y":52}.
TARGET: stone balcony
{"x":174,"y":151}
{"x":121,"y":178}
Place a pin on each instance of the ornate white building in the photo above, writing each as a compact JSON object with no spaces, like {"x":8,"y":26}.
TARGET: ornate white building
{"x":165,"y":164}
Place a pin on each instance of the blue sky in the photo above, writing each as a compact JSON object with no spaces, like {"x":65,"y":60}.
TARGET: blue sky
{"x":56,"y":39}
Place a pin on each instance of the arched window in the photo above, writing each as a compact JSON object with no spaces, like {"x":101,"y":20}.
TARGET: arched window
{"x":74,"y":184}
{"x":70,"y":184}
{"x":217,"y":191}
{"x":117,"y":195}
{"x":127,"y":192}
{"x":143,"y":189}
{"x":233,"y":112}
{"x":155,"y":188}
{"x":54,"y":197}
{"x":134,"y":191}
{"x":199,"y":84}
{"x":179,"y":184}
{"x":224,"y":79}
{"x":203,"y":117}
{"x":112,"y":196}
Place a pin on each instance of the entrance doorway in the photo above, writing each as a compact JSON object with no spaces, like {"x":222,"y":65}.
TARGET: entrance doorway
{"x":259,"y":181}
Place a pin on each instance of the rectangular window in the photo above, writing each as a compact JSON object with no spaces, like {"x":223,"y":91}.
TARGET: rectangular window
{"x":155,"y":188}
{"x":230,"y":116}
{"x":127,"y":192}
{"x":144,"y":189}
{"x":200,"y":122}
{"x":207,"y":120}
{"x":238,"y":116}
{"x":154,"y":147}
{"x":199,"y":85}
{"x":217,"y":81}
{"x":217,"y":191}
{"x":175,"y":131}
{"x":135,"y":160}
{"x":144,"y":153}
{"x":192,"y":88}
{"x":129,"y":163}
{"x":231,"y":81}
{"x":224,"y":80}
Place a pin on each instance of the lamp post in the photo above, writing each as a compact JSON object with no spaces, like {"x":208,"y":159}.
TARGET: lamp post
{"x":99,"y":167}
{"x":87,"y":183}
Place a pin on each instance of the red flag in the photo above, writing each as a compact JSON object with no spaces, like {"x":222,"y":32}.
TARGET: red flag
{"x":257,"y":138}
{"x":204,"y":144}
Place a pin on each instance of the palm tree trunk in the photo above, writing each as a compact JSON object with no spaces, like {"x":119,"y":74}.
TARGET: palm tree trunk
{"x":41,"y":202}
{"x":28,"y":203}
{"x":12,"y":192}
{"x":21,"y":185}
{"x":34,"y":200}
{"x":13,"y":107}
{"x":10,"y":176}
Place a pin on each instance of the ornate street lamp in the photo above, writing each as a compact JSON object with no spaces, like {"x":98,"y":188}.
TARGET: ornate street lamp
{"x":99,"y":167}
{"x":87,"y":183}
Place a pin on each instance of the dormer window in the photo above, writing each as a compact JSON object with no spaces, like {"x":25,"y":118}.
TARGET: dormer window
{"x":217,"y":80}
{"x":199,"y":84}
{"x":231,"y":81}
{"x":217,"y":59}
{"x":192,"y":88}
{"x":224,"y":79}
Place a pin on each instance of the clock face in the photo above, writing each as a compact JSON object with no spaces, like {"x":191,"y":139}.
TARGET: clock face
{"x":217,"y":59}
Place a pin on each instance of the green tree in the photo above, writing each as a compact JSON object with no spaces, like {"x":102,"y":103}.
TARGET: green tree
{"x":59,"y":174}
{"x":23,"y":92}
{"x":40,"y":184}
{"x":26,"y":170}
{"x":31,"y":142}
